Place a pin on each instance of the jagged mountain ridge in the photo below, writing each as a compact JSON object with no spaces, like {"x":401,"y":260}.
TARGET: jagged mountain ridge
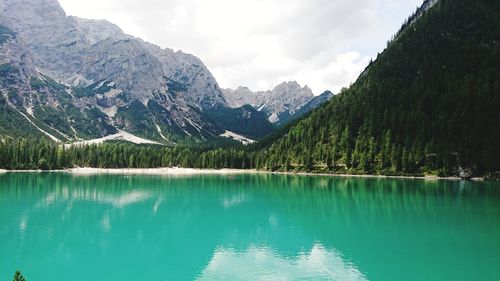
{"x":286,"y":102}
{"x":80,"y":52}
{"x":121,"y":81}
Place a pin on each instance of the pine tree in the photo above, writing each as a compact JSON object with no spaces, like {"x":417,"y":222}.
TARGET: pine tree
{"x":18,"y":276}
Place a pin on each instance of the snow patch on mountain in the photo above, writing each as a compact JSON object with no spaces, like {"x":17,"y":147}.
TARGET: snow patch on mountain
{"x":38,"y":128}
{"x":160,"y":132}
{"x":244,"y":140}
{"x":121,"y":135}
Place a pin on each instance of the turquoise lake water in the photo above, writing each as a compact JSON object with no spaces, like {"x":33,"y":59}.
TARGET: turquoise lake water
{"x":56,"y":226}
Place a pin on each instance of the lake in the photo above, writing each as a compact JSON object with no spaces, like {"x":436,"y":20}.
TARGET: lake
{"x":58,"y":226}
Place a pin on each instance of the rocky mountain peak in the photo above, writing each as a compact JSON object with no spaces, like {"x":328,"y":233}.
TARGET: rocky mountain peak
{"x":287,"y":85}
{"x":292,"y":90}
{"x":98,"y":30}
{"x":26,"y":13}
{"x":280,"y":103}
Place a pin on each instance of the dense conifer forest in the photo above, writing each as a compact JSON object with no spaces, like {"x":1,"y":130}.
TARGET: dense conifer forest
{"x":429,"y":104}
{"x":23,"y":154}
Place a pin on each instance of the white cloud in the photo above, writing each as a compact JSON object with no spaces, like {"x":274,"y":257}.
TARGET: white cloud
{"x":260,"y":43}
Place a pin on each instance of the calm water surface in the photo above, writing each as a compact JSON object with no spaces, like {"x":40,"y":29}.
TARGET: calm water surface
{"x":251,"y":227}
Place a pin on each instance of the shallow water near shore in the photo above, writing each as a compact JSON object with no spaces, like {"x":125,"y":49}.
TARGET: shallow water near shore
{"x":59,"y":226}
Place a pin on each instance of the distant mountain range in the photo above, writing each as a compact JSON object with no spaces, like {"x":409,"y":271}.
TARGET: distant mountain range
{"x":72,"y":79}
{"x":286,"y":102}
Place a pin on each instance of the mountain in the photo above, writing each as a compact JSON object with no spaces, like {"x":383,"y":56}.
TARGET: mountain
{"x":86,"y":79}
{"x":26,"y":92}
{"x":429,"y":104}
{"x":278,"y":104}
{"x":309,"y":106}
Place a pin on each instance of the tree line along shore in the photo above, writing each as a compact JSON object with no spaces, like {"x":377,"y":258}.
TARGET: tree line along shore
{"x":41,"y":154}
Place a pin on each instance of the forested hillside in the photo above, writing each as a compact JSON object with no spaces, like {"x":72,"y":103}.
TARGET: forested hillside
{"x":430,"y":103}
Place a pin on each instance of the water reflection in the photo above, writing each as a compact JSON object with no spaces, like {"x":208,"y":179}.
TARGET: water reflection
{"x":250,"y":227}
{"x":233,"y":200}
{"x":263,"y":263}
{"x":75,"y":194}
{"x":23,"y":223}
{"x":157,"y":204}
{"x":105,"y":223}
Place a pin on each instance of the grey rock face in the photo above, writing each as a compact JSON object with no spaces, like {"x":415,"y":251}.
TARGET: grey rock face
{"x":102,"y":68}
{"x":34,"y":104}
{"x":189,"y":72}
{"x":283,"y":100}
{"x":307,"y":107}
{"x":98,"y":30}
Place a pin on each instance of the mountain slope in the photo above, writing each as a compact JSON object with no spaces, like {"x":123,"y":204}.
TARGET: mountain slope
{"x":244,"y":120}
{"x":32,"y":103}
{"x":309,"y":106}
{"x":429,"y":103}
{"x":105,"y":76}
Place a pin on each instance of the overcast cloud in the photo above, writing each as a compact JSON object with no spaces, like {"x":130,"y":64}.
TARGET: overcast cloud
{"x":324,"y":44}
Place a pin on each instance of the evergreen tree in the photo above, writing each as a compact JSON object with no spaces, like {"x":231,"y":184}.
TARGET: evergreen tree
{"x":18,"y":276}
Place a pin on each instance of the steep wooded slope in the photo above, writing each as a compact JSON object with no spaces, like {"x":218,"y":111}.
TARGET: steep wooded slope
{"x":430,"y":103}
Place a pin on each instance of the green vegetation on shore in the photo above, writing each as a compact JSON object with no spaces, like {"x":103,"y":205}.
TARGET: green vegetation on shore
{"x":27,"y":154}
{"x":41,"y":154}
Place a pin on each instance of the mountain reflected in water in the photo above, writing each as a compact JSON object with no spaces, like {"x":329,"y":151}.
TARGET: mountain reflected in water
{"x":251,"y":227}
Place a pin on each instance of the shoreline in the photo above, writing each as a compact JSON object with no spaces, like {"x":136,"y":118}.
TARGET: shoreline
{"x":376,"y":176}
{"x":176,"y":171}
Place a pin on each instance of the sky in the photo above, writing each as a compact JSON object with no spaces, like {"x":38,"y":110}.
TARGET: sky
{"x":324,"y":44}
